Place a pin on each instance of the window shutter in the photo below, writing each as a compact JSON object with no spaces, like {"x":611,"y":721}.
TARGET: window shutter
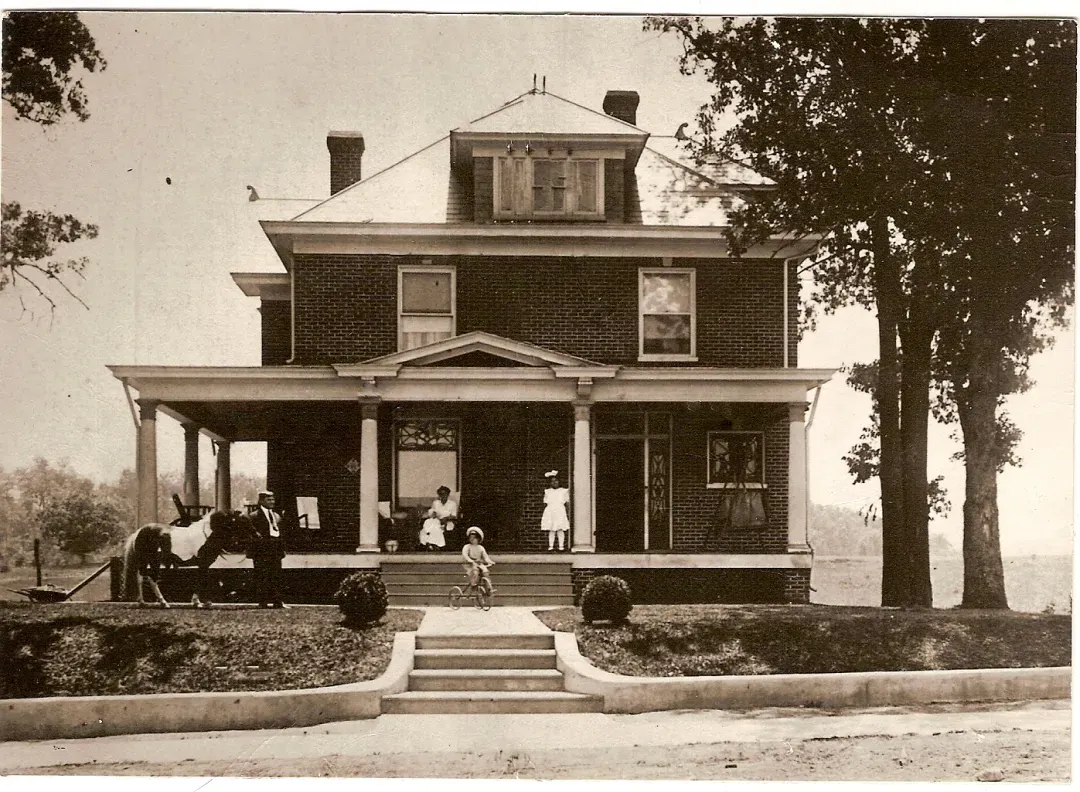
{"x":585,"y":186}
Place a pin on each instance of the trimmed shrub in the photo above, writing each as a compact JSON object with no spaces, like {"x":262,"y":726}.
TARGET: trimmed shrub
{"x":362,"y":598}
{"x":606,"y":598}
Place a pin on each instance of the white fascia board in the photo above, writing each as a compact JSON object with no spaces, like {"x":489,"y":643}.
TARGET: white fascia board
{"x":811,"y":377}
{"x":267,"y":285}
{"x":556,"y":239}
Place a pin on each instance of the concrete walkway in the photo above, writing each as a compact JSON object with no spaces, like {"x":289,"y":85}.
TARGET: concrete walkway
{"x":470,"y":621}
{"x":395,"y":734}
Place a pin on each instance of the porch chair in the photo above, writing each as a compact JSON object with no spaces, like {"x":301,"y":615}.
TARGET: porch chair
{"x":307,"y":512}
{"x":188,"y":514}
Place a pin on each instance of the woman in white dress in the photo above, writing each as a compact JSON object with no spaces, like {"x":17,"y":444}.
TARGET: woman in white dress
{"x":555,"y":521}
{"x":440,"y":518}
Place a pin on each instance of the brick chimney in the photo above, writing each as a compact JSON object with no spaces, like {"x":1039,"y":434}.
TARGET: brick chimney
{"x":622,"y":105}
{"x":346,"y":152}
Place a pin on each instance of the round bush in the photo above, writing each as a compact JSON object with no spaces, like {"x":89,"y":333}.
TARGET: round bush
{"x":606,"y":598}
{"x":362,"y":598}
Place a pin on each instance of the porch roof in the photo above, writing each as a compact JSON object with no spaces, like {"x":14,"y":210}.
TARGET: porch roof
{"x":243,"y":402}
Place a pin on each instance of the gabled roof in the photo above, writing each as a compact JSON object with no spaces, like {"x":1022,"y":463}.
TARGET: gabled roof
{"x":477,"y":341}
{"x":548,"y":114}
{"x":721,"y":172}
{"x":417,"y":189}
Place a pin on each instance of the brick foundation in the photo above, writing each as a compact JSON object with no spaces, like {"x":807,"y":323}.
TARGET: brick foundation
{"x":797,"y":586}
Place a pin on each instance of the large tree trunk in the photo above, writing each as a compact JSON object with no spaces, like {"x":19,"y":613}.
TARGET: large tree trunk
{"x":917,"y":334}
{"x":895,"y":569}
{"x":984,"y":579}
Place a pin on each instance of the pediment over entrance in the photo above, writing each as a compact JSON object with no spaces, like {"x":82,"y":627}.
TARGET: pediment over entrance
{"x":478,"y":349}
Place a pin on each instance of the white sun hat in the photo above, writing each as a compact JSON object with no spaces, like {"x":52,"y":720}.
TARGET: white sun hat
{"x":474,"y":530}
{"x":551,"y":473}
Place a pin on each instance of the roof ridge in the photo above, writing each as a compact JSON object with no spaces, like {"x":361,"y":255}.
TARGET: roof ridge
{"x":373,"y":176}
{"x":498,"y":109}
{"x":684,"y":166}
{"x":597,"y":112}
{"x":703,"y":175}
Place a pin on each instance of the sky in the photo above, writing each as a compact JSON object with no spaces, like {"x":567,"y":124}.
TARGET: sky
{"x":213,"y":102}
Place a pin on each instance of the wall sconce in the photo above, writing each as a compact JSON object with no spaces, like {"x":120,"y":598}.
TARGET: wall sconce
{"x":509,"y":148}
{"x":528,"y":149}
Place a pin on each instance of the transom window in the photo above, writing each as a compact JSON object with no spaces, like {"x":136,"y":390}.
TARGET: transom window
{"x":736,"y":460}
{"x":667,"y":314}
{"x":425,"y":458}
{"x":426,"y":305}
{"x":552,"y":186}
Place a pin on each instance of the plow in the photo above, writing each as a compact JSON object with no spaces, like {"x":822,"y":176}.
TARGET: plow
{"x":51,"y":593}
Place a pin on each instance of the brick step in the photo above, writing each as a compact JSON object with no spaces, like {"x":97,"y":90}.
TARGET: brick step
{"x":490,"y":702}
{"x":515,"y":589}
{"x":483,"y":658}
{"x":485,"y":679}
{"x":485,"y":641}
{"x":455,"y":562}
{"x":456,"y":577}
{"x":441,"y":600}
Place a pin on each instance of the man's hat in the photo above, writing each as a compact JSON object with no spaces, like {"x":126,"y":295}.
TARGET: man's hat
{"x":551,"y":473}
{"x":265,"y":494}
{"x":474,"y":530}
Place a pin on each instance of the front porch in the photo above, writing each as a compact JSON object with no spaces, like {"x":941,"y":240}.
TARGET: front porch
{"x":653,"y":457}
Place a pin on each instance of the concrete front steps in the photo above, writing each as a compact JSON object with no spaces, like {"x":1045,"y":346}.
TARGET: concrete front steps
{"x":486,"y":674}
{"x":420,"y":580}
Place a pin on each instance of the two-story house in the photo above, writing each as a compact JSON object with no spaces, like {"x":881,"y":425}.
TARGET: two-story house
{"x":546,"y":287}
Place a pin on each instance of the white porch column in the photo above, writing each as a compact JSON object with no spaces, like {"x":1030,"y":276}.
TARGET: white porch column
{"x":223,"y":477}
{"x":796,"y":496}
{"x":147,"y":461}
{"x":191,"y":465}
{"x":369,"y":477}
{"x":583,"y":518}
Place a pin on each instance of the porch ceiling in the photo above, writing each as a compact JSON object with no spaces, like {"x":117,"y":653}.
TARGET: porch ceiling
{"x":252,"y":420}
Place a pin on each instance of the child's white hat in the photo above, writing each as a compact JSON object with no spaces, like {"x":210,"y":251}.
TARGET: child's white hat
{"x":474,"y":530}
{"x":551,"y":473}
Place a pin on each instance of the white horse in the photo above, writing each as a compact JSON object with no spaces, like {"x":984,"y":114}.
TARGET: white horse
{"x":196,"y":545}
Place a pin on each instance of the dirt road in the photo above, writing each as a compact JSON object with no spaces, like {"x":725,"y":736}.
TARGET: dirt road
{"x":1020,"y":742}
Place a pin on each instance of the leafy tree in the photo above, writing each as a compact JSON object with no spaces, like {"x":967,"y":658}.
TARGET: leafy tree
{"x":930,"y":157}
{"x":80,"y":523}
{"x":1010,"y":268}
{"x":41,"y":51}
{"x":28,"y":241}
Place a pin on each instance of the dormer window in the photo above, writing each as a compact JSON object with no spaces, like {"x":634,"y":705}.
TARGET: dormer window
{"x":548,"y":184}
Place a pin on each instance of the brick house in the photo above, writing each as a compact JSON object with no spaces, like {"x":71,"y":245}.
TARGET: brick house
{"x":545,"y":287}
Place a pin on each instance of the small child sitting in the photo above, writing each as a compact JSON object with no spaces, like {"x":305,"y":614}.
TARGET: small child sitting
{"x":477,"y":561}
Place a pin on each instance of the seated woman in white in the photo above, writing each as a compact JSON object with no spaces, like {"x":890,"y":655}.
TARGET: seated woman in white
{"x":440,"y":518}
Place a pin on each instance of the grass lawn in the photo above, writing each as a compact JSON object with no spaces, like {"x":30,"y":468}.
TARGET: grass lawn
{"x":78,"y":649}
{"x":715,"y":640}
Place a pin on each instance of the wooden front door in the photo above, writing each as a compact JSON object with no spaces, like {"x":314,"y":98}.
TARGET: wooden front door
{"x":620,"y":495}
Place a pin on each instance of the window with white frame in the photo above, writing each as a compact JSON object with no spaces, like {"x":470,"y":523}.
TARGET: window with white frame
{"x":552,"y":186}
{"x":667,"y":308}
{"x":426,"y":305}
{"x":736,"y":460}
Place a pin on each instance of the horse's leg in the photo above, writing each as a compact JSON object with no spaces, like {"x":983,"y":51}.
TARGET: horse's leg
{"x":157,"y":592}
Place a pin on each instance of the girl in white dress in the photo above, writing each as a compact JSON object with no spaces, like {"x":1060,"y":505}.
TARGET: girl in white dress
{"x":555,"y":521}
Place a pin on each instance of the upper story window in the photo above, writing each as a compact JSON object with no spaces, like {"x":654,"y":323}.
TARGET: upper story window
{"x":552,"y":186}
{"x":427,"y":305}
{"x":667,"y":314}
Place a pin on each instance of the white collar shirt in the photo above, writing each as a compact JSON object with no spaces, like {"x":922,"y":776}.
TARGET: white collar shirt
{"x":271,"y":520}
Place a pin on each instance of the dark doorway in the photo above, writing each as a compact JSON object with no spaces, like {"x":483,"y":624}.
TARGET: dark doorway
{"x":620,"y":496}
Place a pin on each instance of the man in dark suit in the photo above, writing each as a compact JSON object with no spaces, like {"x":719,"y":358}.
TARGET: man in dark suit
{"x":267,"y":550}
